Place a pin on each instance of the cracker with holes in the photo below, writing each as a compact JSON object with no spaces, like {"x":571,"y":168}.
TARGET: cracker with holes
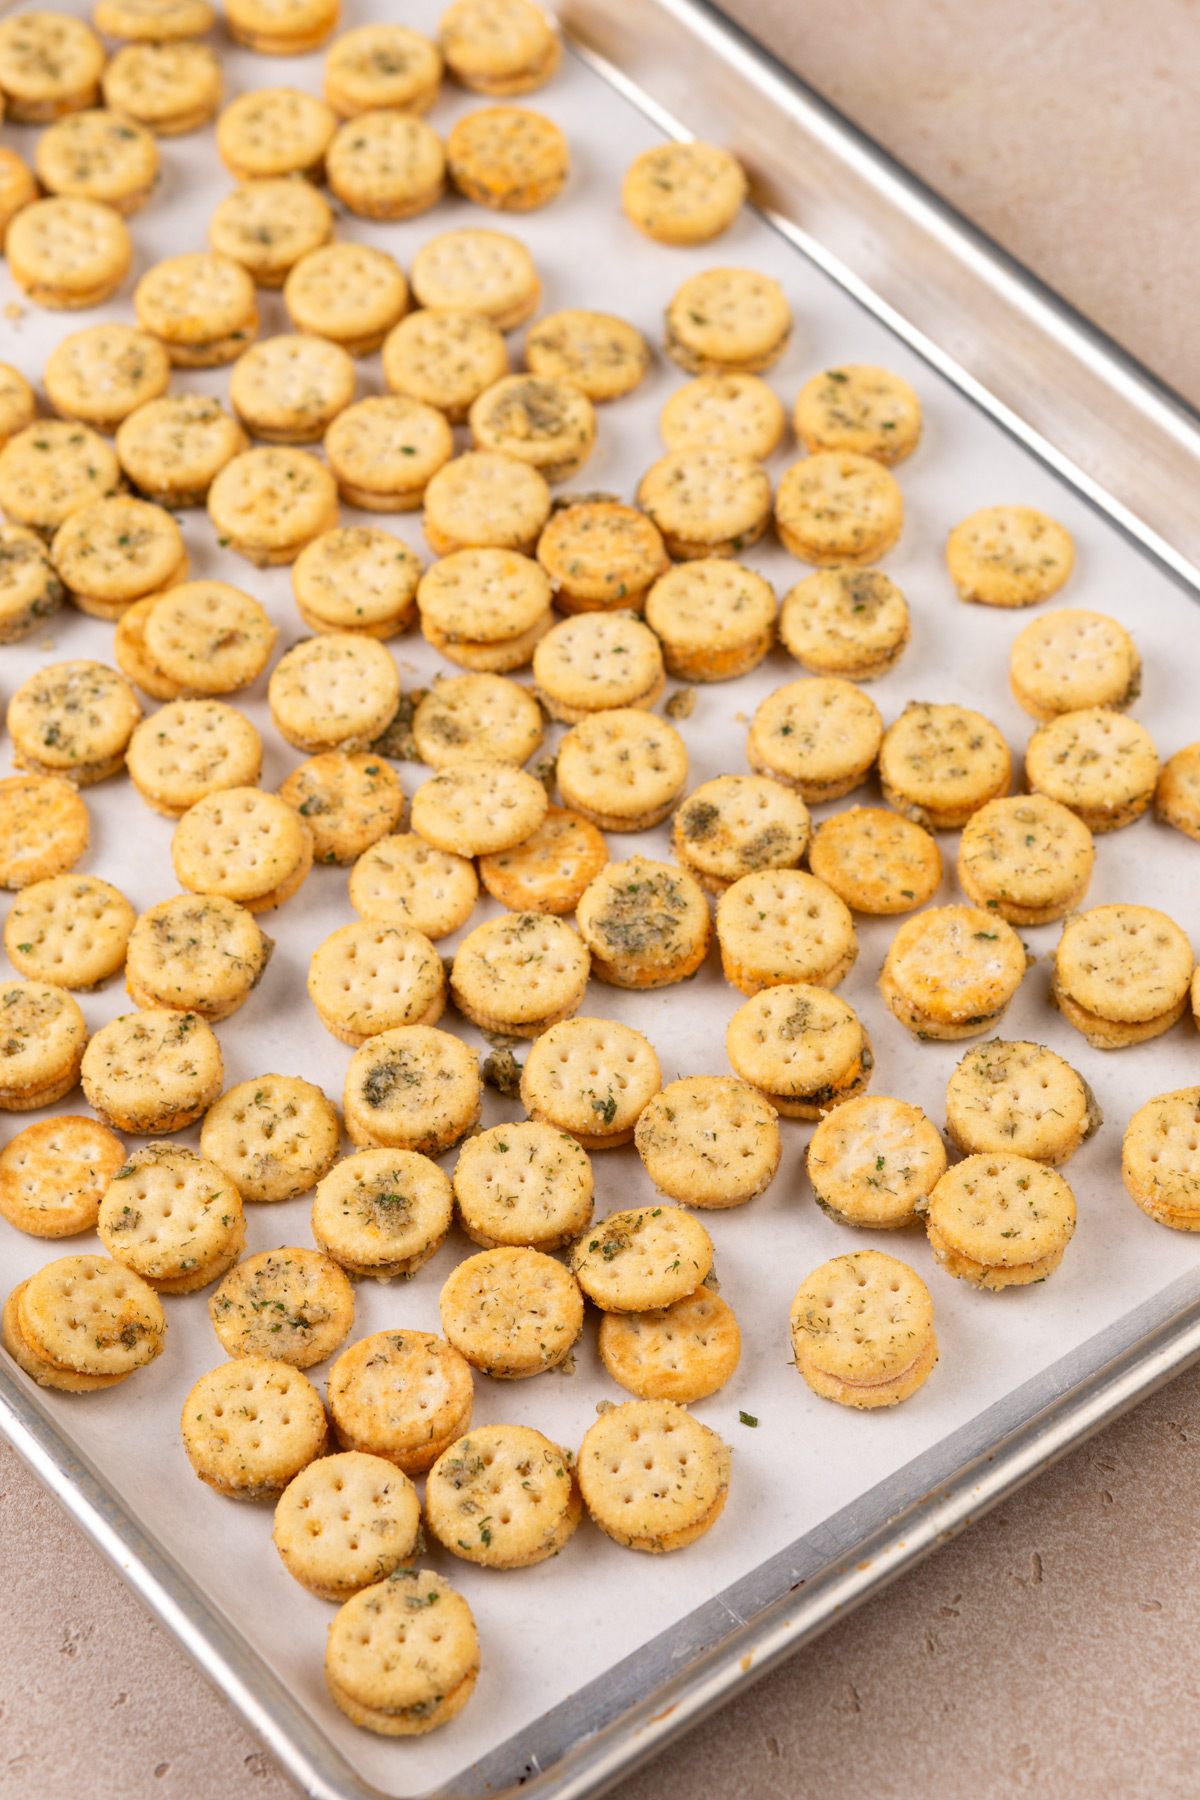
{"x":646,"y":924}
{"x":381,"y":65}
{"x":682,"y":1352}
{"x":475,"y":809}
{"x":412,"y":1088}
{"x":351,"y":294}
{"x":727,"y":411}
{"x":1019,"y":1097}
{"x":862,"y":1330}
{"x":131,"y":655}
{"x":508,"y":158}
{"x":31,"y":590}
{"x":43,"y":828}
{"x":525,"y":1185}
{"x":652,"y":1477}
{"x":370,"y":977}
{"x":781,"y":925}
{"x":860,"y":409}
{"x":167,"y":88}
{"x":402,"y":1395}
{"x":601,"y":354}
{"x":53,"y":1174}
{"x":877,"y":861}
{"x":549,"y":872}
{"x":600,"y":555}
{"x":846,"y":621}
{"x":97,"y":156}
{"x":471,"y":716}
{"x":45,"y":1373}
{"x":874,"y":1161}
{"x":1000,"y":1221}
{"x":337,"y":691}
{"x":73,"y":719}
{"x":623,"y":769}
{"x":836,"y":507}
{"x":706,"y":502}
{"x":1009,"y":556}
{"x":551,"y":425}
{"x":71,"y":930}
{"x":87,"y":1315}
{"x":683,"y":193}
{"x":803,"y":1048}
{"x":1121,"y":974}
{"x":288,"y":389}
{"x":116,"y":551}
{"x":50,"y":65}
{"x":1064,"y":661}
{"x":348,"y":799}
{"x":102,"y":373}
{"x":269,"y":224}
{"x":42,"y":1045}
{"x":274,"y":1137}
{"x":595,"y":662}
{"x":152,"y":1072}
{"x":202,"y":307}
{"x":520,"y":974}
{"x":499,"y":47}
{"x":385,"y":164}
{"x":951,"y":972}
{"x":394,"y":1666}
{"x":404,"y":880}
{"x":198,"y":953}
{"x":485,"y":500}
{"x":734,"y":320}
{"x":444,"y":359}
{"x":590,"y":1078}
{"x":1177,"y":795}
{"x":382,"y":1213}
{"x":68,"y":253}
{"x":242,"y":845}
{"x":268,"y":502}
{"x":1160,"y":1159}
{"x":173,"y":448}
{"x":940,"y":764}
{"x":512,"y":1312}
{"x":250,"y":1426}
{"x":281,"y":28}
{"x":505,"y":1497}
{"x":1027,"y":858}
{"x":482,"y":597}
{"x":357,"y":578}
{"x":1104,"y":767}
{"x":153,"y":21}
{"x":384,"y":450}
{"x":274,"y":131}
{"x":819,"y":736}
{"x":471,"y":270}
{"x":294,"y":1305}
{"x":345,"y":1522}
{"x":173,"y":1218}
{"x":715,"y":619}
{"x":50,"y":468}
{"x":708,"y":1140}
{"x":642,"y":1258}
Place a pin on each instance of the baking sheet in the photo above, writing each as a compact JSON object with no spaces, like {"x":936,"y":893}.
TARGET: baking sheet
{"x":549,"y":1631}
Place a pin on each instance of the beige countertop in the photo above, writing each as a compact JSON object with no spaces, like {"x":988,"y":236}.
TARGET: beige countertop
{"x":1053,"y":1648}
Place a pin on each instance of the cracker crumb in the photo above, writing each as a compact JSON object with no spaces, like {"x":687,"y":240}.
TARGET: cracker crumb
{"x":681,"y":704}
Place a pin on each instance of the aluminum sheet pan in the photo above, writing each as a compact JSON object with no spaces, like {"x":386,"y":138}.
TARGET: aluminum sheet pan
{"x":595,"y":1659}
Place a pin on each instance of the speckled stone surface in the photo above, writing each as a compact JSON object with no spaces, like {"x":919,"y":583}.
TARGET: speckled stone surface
{"x":1054,"y":1649}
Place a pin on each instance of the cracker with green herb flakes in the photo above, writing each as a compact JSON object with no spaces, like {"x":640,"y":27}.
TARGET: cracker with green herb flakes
{"x":291,"y":1304}
{"x":600,"y":556}
{"x":153,"y":21}
{"x":642,"y":1258}
{"x":874,"y":1161}
{"x":69,"y":929}
{"x":803,"y":1048}
{"x":384,"y":450}
{"x":550,"y":870}
{"x":346,"y":1521}
{"x":444,"y":358}
{"x":50,"y":65}
{"x":482,"y":596}
{"x":505,"y":1497}
{"x":940,"y":764}
{"x":590,"y":1078}
{"x":467,"y":717}
{"x":113,"y":552}
{"x":1020,"y":1097}
{"x":412,"y":1088}
{"x":89,"y":1316}
{"x":268,"y":225}
{"x":1000,"y":1221}
{"x":357,"y":578}
{"x":846,"y":621}
{"x":706,"y":502}
{"x":337,"y":691}
{"x":525,"y":1185}
{"x":134,"y":660}
{"x":53,"y":1174}
{"x":50,"y":469}
{"x":1177,"y":795}
{"x":46,"y":1374}
{"x":623,"y":769}
{"x":1009,"y":556}
{"x":862,"y":1330}
{"x":861,"y":409}
{"x":268,"y":502}
{"x":407,"y":880}
{"x":173,"y":1218}
{"x":727,"y":320}
{"x":477,"y":808}
{"x":714,"y":618}
{"x":42,"y":1041}
{"x":737,"y":413}
{"x":485,"y":500}
{"x":653,"y":1478}
{"x":173,"y":448}
{"x":351,"y":294}
{"x":153,"y":1071}
{"x":684,"y":193}
{"x":647,"y":924}
{"x":289,"y":389}
{"x":243,"y":845}
{"x":44,"y":828}
{"x":382,"y":65}
{"x":951,"y":971}
{"x":370,"y":977}
{"x":403,"y":1395}
{"x":73,"y":719}
{"x":250,"y":1426}
{"x":31,"y":590}
{"x":520,"y":974}
{"x":169,"y":88}
{"x":682,"y":1352}
{"x":1027,"y":858}
{"x":96,"y":155}
{"x":710,"y":1141}
{"x":595,"y":662}
{"x":386,"y":164}
{"x":275,"y":131}
{"x":877,"y":861}
{"x":1104,"y":767}
{"x":548,"y":424}
{"x":201,"y":953}
{"x":835,"y":507}
{"x":1121,"y":974}
{"x":382,"y":1213}
{"x":819,"y":736}
{"x":190,"y":749}
{"x":103,"y":373}
{"x":274,"y":1137}
{"x":603,"y":355}
{"x":512,"y":1312}
{"x":393,"y":1666}
{"x":349,"y":800}
{"x":508,"y":158}
{"x":1160,"y":1165}
{"x":477,"y":271}
{"x":1067,"y":660}
{"x":201,"y":306}
{"x":783,"y":925}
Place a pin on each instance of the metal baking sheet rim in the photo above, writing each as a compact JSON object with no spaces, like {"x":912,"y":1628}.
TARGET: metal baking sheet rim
{"x":1133,"y":449}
